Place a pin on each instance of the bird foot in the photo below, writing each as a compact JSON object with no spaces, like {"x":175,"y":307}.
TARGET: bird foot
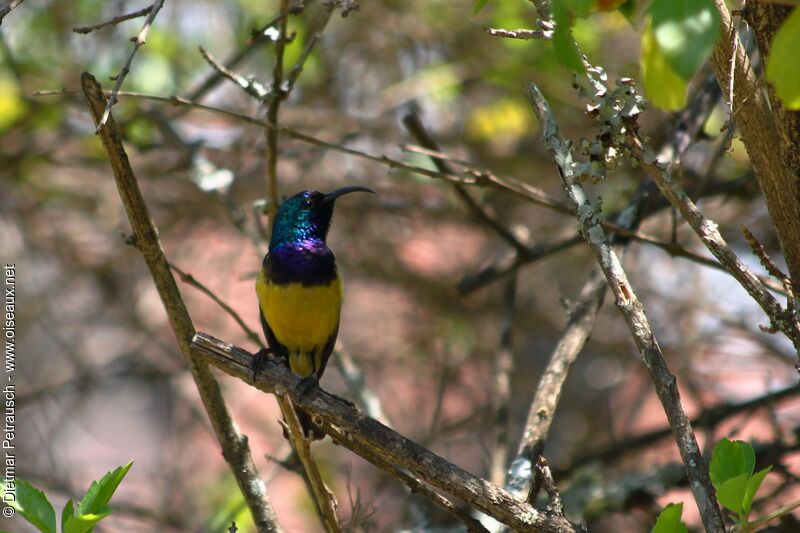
{"x":306,"y":385}
{"x":260,"y":360}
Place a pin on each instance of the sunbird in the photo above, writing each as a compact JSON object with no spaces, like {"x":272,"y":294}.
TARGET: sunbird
{"x":299,"y":289}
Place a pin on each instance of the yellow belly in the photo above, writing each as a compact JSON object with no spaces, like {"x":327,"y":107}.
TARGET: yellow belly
{"x":302,"y":318}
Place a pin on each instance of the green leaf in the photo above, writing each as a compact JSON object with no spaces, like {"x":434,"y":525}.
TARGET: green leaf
{"x":31,"y":504}
{"x":752,"y":487}
{"x":731,"y":493}
{"x":685,"y":31}
{"x":664,"y":88}
{"x":563,"y":41}
{"x":669,"y":521}
{"x":782,"y":71}
{"x":99,"y":494}
{"x":731,"y":459}
{"x":84,"y":523}
{"x":479,"y":4}
{"x":66,"y":513}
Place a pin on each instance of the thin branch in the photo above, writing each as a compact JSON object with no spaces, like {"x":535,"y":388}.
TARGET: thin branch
{"x":518,"y":34}
{"x":272,"y":116}
{"x":357,"y":386}
{"x":548,"y":393}
{"x":417,"y":129}
{"x":265,"y":33}
{"x":415,"y":485}
{"x":313,"y":36}
{"x":323,"y":497}
{"x":6,"y":9}
{"x":501,"y":395}
{"x":113,"y":22}
{"x":356,"y":430}
{"x":191,"y":280}
{"x":234,"y":445}
{"x":709,"y":418}
{"x":707,"y":230}
{"x":633,"y":311}
{"x":138,"y":41}
{"x":250,"y":86}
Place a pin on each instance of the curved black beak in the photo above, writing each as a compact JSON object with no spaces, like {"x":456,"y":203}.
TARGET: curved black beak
{"x":333,"y":195}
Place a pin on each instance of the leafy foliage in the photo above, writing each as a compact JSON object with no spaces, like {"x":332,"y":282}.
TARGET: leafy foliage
{"x":782,"y":71}
{"x":685,"y":31}
{"x":33,"y":505}
{"x":669,"y":520}
{"x":731,"y":471}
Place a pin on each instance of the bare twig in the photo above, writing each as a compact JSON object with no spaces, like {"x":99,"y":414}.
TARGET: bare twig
{"x":414,"y":125}
{"x":312,"y":38}
{"x":517,"y":34}
{"x":265,"y":33}
{"x":415,"y":485}
{"x":323,"y":497}
{"x":709,"y":418}
{"x":272,"y":116}
{"x":191,"y":280}
{"x":138,"y":41}
{"x":113,"y":22}
{"x":544,"y":479}
{"x":707,"y":230}
{"x":501,"y":395}
{"x":250,"y":86}
{"x":542,"y":410}
{"x":633,"y":311}
{"x":6,"y":9}
{"x":234,"y":445}
{"x":357,"y":386}
{"x":355,"y":430}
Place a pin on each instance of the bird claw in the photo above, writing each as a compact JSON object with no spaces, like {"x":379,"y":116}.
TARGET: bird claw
{"x":306,"y":385}
{"x":260,"y":361}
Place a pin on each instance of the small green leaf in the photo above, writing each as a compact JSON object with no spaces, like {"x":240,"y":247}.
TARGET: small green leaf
{"x":664,"y":88}
{"x":669,"y":520}
{"x":731,"y":493}
{"x":84,"y":523}
{"x":685,"y":31}
{"x":66,"y":513}
{"x":100,"y":492}
{"x":563,"y":41}
{"x":32,"y":504}
{"x":731,"y":459}
{"x":782,"y":71}
{"x":479,"y":4}
{"x":752,"y":487}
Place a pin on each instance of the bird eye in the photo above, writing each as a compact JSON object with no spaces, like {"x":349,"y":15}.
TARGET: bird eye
{"x":308,"y":203}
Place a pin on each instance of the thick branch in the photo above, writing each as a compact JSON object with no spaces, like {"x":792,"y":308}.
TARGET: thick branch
{"x":767,"y":132}
{"x":633,"y":311}
{"x":358,"y":430}
{"x":233,"y":443}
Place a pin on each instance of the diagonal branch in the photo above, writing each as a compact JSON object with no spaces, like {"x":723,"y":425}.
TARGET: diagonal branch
{"x":138,"y":41}
{"x":417,"y":129}
{"x":113,"y":22}
{"x":323,"y":497}
{"x":6,"y":9}
{"x":234,"y":444}
{"x":355,"y":430}
{"x":633,"y":311}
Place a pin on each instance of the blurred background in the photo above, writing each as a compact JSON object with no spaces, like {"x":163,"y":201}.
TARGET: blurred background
{"x":101,"y":380}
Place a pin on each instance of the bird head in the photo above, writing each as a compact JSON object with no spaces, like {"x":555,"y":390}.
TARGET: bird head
{"x":307,"y":215}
